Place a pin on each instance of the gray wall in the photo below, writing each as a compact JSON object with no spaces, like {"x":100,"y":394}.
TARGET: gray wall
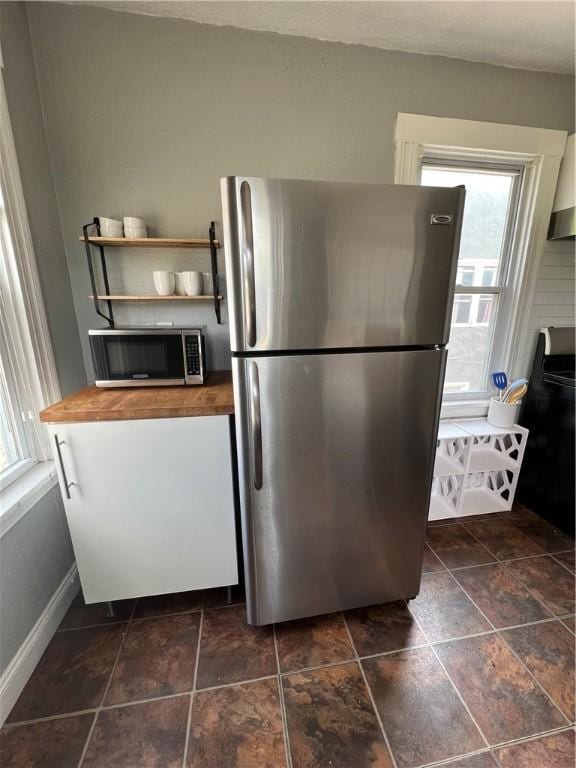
{"x":35,"y":556}
{"x":145,"y":114}
{"x":32,"y":150}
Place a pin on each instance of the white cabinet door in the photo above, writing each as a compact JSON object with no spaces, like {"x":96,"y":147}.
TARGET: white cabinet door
{"x":151,"y":508}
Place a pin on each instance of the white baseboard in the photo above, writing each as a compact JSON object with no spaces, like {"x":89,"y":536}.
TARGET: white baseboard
{"x":18,"y":672}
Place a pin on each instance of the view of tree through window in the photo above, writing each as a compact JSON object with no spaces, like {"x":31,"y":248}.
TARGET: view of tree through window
{"x":480,"y":265}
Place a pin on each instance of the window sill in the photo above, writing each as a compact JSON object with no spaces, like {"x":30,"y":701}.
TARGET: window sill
{"x":24,"y":492}
{"x":460,"y":409}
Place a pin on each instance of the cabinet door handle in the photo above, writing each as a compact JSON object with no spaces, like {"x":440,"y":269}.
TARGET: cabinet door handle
{"x":256,"y":425}
{"x":67,"y":485}
{"x":249,"y":287}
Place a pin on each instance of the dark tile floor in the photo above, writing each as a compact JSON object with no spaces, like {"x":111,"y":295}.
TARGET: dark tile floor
{"x":478,"y":671}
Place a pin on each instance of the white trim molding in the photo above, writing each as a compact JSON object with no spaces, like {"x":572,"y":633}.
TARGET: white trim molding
{"x":18,"y":672}
{"x":27,"y":341}
{"x":540,"y":152}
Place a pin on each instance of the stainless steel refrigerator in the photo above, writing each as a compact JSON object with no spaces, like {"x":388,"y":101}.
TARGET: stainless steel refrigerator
{"x":339,"y":301}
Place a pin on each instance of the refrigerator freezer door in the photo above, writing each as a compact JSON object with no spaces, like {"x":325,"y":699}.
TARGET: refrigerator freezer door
{"x":326,"y":265}
{"x":336,"y":454}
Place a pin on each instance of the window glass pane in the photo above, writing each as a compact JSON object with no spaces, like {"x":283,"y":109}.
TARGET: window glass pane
{"x":465,"y":276}
{"x":461,"y":309}
{"x":485,"y":213}
{"x":488,"y":276}
{"x":480,"y":264}
{"x":9,"y":452}
{"x":470,"y":342}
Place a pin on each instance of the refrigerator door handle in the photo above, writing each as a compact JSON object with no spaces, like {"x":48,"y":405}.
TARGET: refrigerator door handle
{"x":256,"y":426}
{"x":248,"y":262}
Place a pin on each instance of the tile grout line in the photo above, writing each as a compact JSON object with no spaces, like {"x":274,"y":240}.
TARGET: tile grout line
{"x":518,"y":659}
{"x":516,"y":559}
{"x":103,"y":699}
{"x":452,"y":683}
{"x":367,"y":657}
{"x":192,"y":692}
{"x":287,"y":750}
{"x":370,"y":694}
{"x":553,"y":555}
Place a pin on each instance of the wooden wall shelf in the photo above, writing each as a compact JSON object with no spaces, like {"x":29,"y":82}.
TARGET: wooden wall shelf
{"x":151,"y":242}
{"x":173,"y":297}
{"x":93,"y":242}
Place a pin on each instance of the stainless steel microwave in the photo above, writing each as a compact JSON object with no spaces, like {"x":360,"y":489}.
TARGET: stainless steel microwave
{"x":148,"y":357}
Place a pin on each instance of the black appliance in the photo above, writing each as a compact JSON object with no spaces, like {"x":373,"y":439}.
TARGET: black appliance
{"x":546,"y":482}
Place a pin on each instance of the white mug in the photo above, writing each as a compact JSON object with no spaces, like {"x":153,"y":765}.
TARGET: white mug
{"x":164,"y":282}
{"x":192,"y":283}
{"x":134,"y":228}
{"x":208,"y":283}
{"x":110,"y":227}
{"x":180,"y":287}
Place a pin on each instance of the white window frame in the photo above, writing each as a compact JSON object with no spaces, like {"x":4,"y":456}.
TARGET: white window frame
{"x":25,"y":342}
{"x":539,"y":151}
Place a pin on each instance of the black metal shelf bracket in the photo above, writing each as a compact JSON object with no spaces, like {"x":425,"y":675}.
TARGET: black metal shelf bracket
{"x":214,"y":264}
{"x":110,"y":316}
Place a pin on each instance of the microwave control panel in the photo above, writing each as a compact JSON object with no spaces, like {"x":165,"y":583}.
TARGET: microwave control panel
{"x":193,"y":350}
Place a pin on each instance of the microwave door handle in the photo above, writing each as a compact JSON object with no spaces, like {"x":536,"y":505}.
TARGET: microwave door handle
{"x":256,"y":426}
{"x":248,"y":285}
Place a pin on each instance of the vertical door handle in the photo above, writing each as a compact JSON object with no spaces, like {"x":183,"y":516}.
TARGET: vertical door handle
{"x":248,"y":285}
{"x":67,"y":485}
{"x":256,"y":425}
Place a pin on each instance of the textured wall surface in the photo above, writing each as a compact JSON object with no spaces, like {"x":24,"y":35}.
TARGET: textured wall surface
{"x":32,"y":150}
{"x":144,"y":115}
{"x":35,"y":556}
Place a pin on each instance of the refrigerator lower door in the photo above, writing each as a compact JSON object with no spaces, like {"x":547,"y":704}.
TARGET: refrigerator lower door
{"x":336,"y":454}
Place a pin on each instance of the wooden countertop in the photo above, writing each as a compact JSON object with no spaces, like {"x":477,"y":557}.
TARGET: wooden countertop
{"x":92,"y":403}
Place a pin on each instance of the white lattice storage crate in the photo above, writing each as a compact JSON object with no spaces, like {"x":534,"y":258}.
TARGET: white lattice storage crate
{"x":476,"y":468}
{"x":445,"y":498}
{"x":494,"y":448}
{"x":486,"y":492}
{"x":452,"y":447}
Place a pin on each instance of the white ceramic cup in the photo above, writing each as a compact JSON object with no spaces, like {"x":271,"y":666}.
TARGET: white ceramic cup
{"x":180,"y":287}
{"x":192,"y":283}
{"x":164,"y":282}
{"x":134,"y":227}
{"x":208,"y":283}
{"x":110,"y":227}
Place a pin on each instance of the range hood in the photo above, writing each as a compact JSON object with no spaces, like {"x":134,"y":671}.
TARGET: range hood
{"x":563,"y":219}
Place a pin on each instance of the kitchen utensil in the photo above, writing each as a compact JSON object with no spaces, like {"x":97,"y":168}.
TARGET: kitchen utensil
{"x":500,"y":381}
{"x":517,"y":394}
{"x":164,"y":282}
{"x":511,"y":387}
{"x":192,"y":283}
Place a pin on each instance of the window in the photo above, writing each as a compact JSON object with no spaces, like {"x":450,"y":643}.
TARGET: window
{"x":492,"y":193}
{"x":512,"y":162}
{"x":28,"y":379}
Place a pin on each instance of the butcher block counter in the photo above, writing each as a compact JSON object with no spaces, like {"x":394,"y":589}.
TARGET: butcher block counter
{"x":215,"y":398}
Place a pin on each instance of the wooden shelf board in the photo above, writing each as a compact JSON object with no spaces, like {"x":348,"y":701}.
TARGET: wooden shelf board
{"x":151,"y":242}
{"x":174,"y":297}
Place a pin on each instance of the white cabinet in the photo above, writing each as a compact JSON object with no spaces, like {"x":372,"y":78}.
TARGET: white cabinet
{"x":151,"y":507}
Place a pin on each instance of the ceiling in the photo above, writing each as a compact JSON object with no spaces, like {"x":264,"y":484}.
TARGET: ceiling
{"x":529,"y":34}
